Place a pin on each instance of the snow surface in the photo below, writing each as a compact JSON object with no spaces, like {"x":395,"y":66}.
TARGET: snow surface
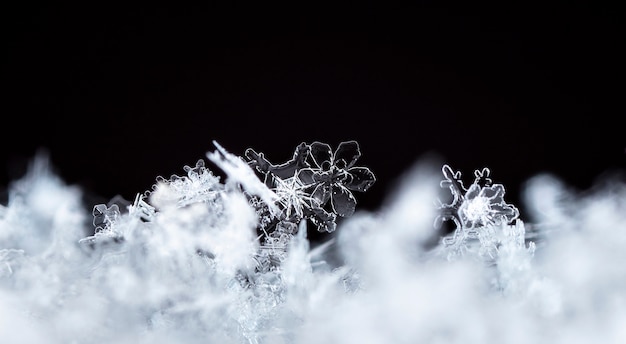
{"x":178,"y":266}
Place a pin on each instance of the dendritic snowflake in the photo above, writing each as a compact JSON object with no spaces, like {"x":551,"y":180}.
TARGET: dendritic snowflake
{"x":293,"y":198}
{"x":334,"y":176}
{"x":474,"y":210}
{"x":317,"y":183}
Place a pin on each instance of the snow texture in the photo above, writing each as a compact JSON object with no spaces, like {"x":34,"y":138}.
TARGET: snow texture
{"x":197,"y":259}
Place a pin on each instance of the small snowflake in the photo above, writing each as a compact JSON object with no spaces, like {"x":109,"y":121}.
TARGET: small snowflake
{"x":479,"y":205}
{"x":475,"y":211}
{"x":486,"y":206}
{"x":104,"y":218}
{"x":105,"y":221}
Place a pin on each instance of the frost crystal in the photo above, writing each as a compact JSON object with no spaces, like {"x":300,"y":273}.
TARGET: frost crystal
{"x":199,"y":213}
{"x":318,"y":182}
{"x":478,"y":212}
{"x":197,"y":259}
{"x":199,"y":185}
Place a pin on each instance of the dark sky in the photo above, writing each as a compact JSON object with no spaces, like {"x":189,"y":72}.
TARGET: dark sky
{"x":119,"y":94}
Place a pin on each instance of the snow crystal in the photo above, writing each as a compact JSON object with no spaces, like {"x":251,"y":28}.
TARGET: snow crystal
{"x":200,"y":260}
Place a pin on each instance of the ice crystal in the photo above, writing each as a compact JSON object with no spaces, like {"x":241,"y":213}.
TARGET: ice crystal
{"x":198,"y":259}
{"x":478,"y":212}
{"x":334,"y":176}
{"x":304,"y":186}
{"x":199,"y":185}
{"x":292,"y":197}
{"x":278,"y":205}
{"x":105,"y":221}
{"x":314,"y":178}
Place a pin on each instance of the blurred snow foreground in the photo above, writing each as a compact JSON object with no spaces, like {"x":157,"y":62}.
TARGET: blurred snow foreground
{"x":200,"y":260}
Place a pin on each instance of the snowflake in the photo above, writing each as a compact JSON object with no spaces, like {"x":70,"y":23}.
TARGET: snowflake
{"x":473,"y":210}
{"x":293,"y":198}
{"x":284,"y":170}
{"x":314,"y":177}
{"x":105,"y":221}
{"x":104,"y":218}
{"x":199,"y":185}
{"x":486,"y":206}
{"x":334,"y":176}
{"x":479,"y":205}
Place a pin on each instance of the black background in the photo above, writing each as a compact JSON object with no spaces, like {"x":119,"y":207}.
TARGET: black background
{"x":120,"y":94}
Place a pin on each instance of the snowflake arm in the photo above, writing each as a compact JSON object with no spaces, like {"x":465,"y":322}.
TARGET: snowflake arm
{"x":343,"y":202}
{"x":454,"y":183}
{"x":284,"y":170}
{"x":321,"y":154}
{"x":360,"y":179}
{"x":346,"y":154}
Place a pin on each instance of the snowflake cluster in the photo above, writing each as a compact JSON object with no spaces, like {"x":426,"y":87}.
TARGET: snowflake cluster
{"x":201,"y":257}
{"x":316,"y":185}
